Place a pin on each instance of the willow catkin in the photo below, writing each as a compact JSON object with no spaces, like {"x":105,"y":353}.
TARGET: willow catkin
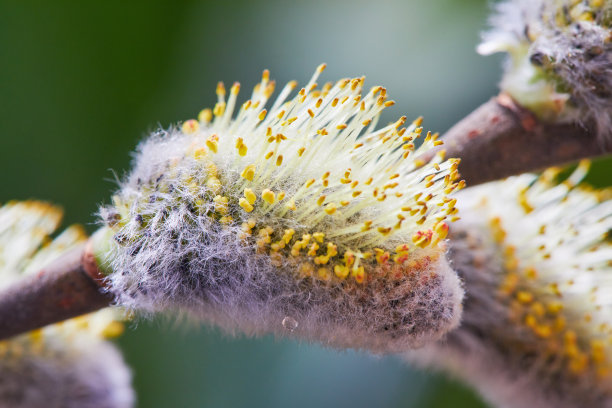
{"x":299,"y":219}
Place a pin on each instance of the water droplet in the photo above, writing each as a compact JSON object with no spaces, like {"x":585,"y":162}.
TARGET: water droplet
{"x":290,"y":323}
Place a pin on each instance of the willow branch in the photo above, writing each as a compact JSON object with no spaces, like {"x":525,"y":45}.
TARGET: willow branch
{"x":61,"y":290}
{"x":501,"y":139}
{"x":497,"y":140}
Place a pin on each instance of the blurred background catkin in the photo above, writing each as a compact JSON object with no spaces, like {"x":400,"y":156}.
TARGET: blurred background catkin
{"x":81,"y":84}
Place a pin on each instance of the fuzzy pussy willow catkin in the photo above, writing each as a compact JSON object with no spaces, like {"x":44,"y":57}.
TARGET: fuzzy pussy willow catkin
{"x":66,"y":365}
{"x":300,"y":218}
{"x":560,"y":58}
{"x":536,"y":258}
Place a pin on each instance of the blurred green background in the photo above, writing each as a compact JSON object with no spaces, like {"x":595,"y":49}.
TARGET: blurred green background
{"x":82,"y":83}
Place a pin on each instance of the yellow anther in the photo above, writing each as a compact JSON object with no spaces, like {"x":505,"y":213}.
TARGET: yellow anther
{"x":321,"y":260}
{"x":213,"y":143}
{"x":441,"y":229}
{"x":313,"y":249}
{"x":190,"y":126}
{"x":359,"y":274}
{"x":242,"y":148}
{"x":220,"y":89}
{"x":268,"y":196}
{"x":279,"y":160}
{"x":310,"y":183}
{"x":311,"y":113}
{"x":245,"y":205}
{"x":349,"y":258}
{"x":524,"y":297}
{"x":402,"y":248}
{"x":205,"y":115}
{"x":235,"y":88}
{"x":301,"y":151}
{"x":288,"y":235}
{"x":280,"y":196}
{"x":321,"y":200}
{"x":248,"y":172}
{"x":219,"y":108}
{"x":382,"y":257}
{"x":531,"y":273}
{"x":554,"y":307}
{"x":367,"y":225}
{"x":341,"y":271}
{"x":250,"y":195}
{"x":262,"y":114}
{"x":422,"y":238}
{"x":269,"y":154}
{"x":199,"y":153}
{"x":332,"y":249}
{"x":384,"y":230}
{"x":330,"y":208}
{"x":318,"y":236}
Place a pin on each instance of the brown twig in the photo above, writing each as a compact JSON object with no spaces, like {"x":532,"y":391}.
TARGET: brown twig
{"x":58,"y":292}
{"x":501,"y":139}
